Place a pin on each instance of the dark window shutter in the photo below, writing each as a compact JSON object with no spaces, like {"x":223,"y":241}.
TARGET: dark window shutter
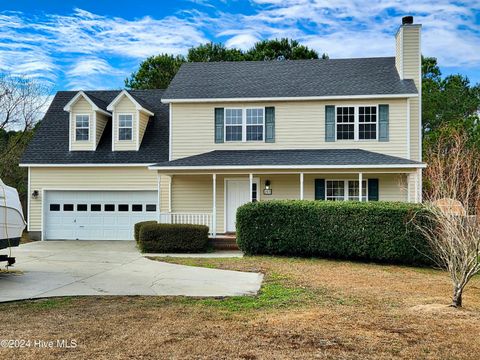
{"x":319,"y":189}
{"x":383,"y":122}
{"x":219,"y":115}
{"x":269,"y":124}
{"x":372,"y":189}
{"x":329,"y":123}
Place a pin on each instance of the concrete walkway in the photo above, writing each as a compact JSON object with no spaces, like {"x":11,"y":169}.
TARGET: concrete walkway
{"x":70,"y":268}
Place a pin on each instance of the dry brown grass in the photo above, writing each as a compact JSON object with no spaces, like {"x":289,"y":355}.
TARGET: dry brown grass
{"x":308,"y":309}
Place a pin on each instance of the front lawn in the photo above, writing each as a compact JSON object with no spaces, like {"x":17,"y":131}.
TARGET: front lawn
{"x":306,"y":309}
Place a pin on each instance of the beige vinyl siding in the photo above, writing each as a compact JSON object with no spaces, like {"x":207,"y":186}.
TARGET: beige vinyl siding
{"x":408,"y":60}
{"x":399,"y":51}
{"x":298,"y":124}
{"x":90,"y":178}
{"x":81,"y":107}
{"x":411,"y":53}
{"x":193,"y":193}
{"x":101,"y":121}
{"x":164,"y":193}
{"x":415,"y":130}
{"x":142,"y":125}
{"x":125,"y":106}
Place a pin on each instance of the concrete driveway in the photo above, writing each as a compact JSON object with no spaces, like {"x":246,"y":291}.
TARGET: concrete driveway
{"x":70,"y":268}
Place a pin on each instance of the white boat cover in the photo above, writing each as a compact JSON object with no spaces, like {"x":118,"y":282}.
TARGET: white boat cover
{"x":12,"y":221}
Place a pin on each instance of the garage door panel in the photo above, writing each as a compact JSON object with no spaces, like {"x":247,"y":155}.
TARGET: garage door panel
{"x":89,"y":219}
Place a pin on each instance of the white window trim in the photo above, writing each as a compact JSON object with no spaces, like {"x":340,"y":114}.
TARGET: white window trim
{"x":356,"y":122}
{"x":244,"y":124}
{"x":88,"y":128}
{"x":124,"y":127}
{"x":345,"y":184}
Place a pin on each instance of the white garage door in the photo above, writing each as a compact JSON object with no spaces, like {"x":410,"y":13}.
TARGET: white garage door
{"x":96,"y":215}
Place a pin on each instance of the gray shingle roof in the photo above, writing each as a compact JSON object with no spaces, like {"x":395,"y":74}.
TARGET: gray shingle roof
{"x":320,"y":157}
{"x":99,"y":102}
{"x":139,"y":99}
{"x":50,"y":143}
{"x":288,"y":78}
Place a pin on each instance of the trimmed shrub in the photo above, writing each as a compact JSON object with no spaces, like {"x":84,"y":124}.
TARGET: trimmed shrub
{"x":136,"y":229}
{"x":372,"y":231}
{"x":173,"y":238}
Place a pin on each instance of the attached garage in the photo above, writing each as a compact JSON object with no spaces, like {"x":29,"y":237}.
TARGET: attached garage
{"x":96,"y":215}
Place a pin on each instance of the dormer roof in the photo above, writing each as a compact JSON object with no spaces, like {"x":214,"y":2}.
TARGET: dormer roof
{"x":97,"y":104}
{"x":139,"y":103}
{"x":50,"y":143}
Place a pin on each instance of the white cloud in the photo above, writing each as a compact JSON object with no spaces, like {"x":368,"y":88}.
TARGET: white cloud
{"x":354,"y":28}
{"x":91,"y":50}
{"x":76,"y":45}
{"x":242,"y":41}
{"x":89,"y":73}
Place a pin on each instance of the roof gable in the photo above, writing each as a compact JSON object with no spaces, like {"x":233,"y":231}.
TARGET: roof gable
{"x":96,"y":104}
{"x":137,"y":101}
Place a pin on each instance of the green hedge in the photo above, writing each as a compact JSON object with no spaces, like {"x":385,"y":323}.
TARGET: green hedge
{"x":372,"y":231}
{"x":136,"y":229}
{"x":173,"y":238}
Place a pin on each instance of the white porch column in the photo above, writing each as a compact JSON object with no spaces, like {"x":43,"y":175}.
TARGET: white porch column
{"x":416,"y":188}
{"x":360,"y":180}
{"x":159,"y":196}
{"x":250,"y":178}
{"x":420,"y":185}
{"x":409,"y":190}
{"x":214,"y":206}
{"x":170,"y":194}
{"x":301,"y":186}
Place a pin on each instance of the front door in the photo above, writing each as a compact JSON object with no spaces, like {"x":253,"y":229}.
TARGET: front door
{"x":237,"y":195}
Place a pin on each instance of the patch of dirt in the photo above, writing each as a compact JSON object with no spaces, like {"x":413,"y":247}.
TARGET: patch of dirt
{"x":358,"y":311}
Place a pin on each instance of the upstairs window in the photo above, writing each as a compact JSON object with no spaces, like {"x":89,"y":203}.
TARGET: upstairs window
{"x":244,"y":124}
{"x":254,"y":124}
{"x":367,"y":122}
{"x":82,"y":127}
{"x":125,"y":127}
{"x":356,"y":122}
{"x":233,"y":124}
{"x":345,"y":123}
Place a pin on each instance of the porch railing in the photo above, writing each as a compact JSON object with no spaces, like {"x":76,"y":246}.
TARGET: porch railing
{"x":187,"y":218}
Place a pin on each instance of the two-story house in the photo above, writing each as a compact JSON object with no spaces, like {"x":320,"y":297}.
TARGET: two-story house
{"x":226,"y":133}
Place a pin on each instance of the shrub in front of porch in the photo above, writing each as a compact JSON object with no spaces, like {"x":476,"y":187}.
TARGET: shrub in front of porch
{"x":138,"y":226}
{"x":372,"y":231}
{"x":164,"y":238}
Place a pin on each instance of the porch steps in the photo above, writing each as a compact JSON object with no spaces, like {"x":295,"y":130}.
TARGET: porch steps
{"x":226,"y":241}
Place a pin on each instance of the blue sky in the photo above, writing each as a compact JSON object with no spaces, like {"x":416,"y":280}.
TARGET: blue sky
{"x":96,"y":44}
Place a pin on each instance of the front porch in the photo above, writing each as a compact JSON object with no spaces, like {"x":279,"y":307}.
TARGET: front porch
{"x":207,"y":189}
{"x":212,"y":199}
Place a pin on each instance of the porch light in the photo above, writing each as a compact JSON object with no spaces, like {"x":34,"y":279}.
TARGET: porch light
{"x":35,"y":194}
{"x":268,"y":189}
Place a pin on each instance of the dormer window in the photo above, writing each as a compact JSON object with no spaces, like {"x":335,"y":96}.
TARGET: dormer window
{"x":86,"y":121}
{"x":82,"y":127}
{"x":130,"y":121}
{"x":125,"y":127}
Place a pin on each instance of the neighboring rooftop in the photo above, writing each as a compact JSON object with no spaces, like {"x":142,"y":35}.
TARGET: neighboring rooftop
{"x":315,"y":157}
{"x":50,"y":143}
{"x":288,"y":78}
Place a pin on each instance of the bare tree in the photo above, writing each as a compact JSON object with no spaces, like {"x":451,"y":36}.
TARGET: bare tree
{"x":22,"y":103}
{"x":452,"y":202}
